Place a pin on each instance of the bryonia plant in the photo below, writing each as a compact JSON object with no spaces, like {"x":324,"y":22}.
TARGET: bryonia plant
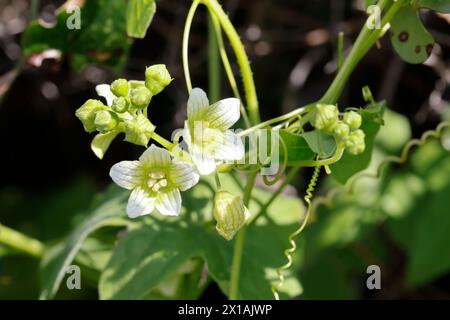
{"x":322,"y":134}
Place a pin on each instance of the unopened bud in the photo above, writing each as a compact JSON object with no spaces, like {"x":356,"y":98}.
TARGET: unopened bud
{"x":342,"y":131}
{"x":325,"y":117}
{"x":356,"y":142}
{"x":230,"y":214}
{"x":157,"y":77}
{"x":353,"y":119}
{"x":106,"y":121}
{"x":86,"y":113}
{"x":120,"y":87}
{"x":120,"y":105}
{"x":140,"y":97}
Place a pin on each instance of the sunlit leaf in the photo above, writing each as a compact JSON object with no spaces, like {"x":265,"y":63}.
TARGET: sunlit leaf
{"x":55,"y":261}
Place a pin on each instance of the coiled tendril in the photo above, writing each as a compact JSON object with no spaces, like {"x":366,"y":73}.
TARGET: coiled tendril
{"x":404,"y":156}
{"x":288,"y":252}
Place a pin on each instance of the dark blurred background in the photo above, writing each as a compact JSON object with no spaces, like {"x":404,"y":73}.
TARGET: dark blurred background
{"x":292,"y":44}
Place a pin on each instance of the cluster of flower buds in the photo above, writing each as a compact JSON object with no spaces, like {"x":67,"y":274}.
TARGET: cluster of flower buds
{"x":124,"y":109}
{"x":346,"y":127}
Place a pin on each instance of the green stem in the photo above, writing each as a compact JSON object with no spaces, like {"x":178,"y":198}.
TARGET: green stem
{"x":20,"y":242}
{"x":363,"y":43}
{"x":213,"y":62}
{"x":239,"y":243}
{"x":267,"y":123}
{"x":289,"y":177}
{"x":227,"y":67}
{"x":34,"y":9}
{"x":185,"y":49}
{"x":162,"y":141}
{"x":242,"y":58}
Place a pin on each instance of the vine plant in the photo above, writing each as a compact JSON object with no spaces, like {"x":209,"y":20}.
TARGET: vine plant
{"x":321,"y":135}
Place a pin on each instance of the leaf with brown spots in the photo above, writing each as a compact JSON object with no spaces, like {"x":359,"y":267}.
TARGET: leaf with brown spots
{"x":410,"y":39}
{"x":436,"y":5}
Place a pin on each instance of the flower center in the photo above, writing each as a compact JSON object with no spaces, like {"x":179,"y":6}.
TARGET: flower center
{"x":157,"y":180}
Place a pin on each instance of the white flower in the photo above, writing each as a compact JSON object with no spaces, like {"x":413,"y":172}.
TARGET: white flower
{"x":156,"y":180}
{"x":207,"y":133}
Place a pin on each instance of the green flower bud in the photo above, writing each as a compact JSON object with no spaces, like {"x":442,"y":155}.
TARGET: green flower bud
{"x":342,"y":131}
{"x":157,"y":78}
{"x":86,"y":113}
{"x":356,"y":142}
{"x":230,"y":214}
{"x":140,"y":97}
{"x":120,"y":105}
{"x":325,"y":117}
{"x":120,"y":87}
{"x":106,"y":121}
{"x":353,"y":119}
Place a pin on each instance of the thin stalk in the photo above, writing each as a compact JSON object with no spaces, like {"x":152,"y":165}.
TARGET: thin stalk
{"x":34,"y":9}
{"x":289,"y":177}
{"x":213,"y":62}
{"x":162,"y":141}
{"x":185,"y":49}
{"x":340,"y":50}
{"x":227,"y":67}
{"x":242,"y":58}
{"x":239,"y":243}
{"x":20,"y":242}
{"x":267,"y":123}
{"x":360,"y":48}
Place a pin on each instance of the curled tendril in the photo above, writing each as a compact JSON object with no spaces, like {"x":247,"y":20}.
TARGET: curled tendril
{"x":283,"y":168}
{"x":404,"y":155}
{"x":288,"y":252}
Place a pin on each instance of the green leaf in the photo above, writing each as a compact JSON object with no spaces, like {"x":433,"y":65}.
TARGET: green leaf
{"x":409,"y":37}
{"x":321,"y":143}
{"x":422,"y":229}
{"x":349,"y":165}
{"x":139,"y":16}
{"x":101,"y":36}
{"x":101,"y":143}
{"x":298,"y":148}
{"x":436,"y":5}
{"x":153,"y":252}
{"x":56,"y":260}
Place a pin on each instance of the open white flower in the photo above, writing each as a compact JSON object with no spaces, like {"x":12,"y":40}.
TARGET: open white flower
{"x":156,"y":180}
{"x":207,"y":133}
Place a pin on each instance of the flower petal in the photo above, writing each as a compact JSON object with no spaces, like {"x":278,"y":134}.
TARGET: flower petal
{"x":183,"y":175}
{"x":127,"y":174}
{"x":197,"y":104}
{"x":223,"y":114}
{"x":205,"y":163}
{"x":226,"y":146}
{"x":156,"y":157}
{"x":104,"y":90}
{"x":169,"y":203}
{"x":140,"y":203}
